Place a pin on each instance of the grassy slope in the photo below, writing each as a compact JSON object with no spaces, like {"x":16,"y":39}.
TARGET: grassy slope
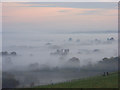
{"x":110,"y":81}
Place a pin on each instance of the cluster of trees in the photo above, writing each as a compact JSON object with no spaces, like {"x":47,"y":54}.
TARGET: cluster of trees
{"x":6,"y":53}
{"x":61,"y":52}
{"x":110,"y":60}
{"x":106,"y":65}
{"x":9,"y":81}
{"x":110,"y":39}
{"x":73,"y":62}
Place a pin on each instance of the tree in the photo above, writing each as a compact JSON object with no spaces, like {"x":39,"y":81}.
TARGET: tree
{"x":9,"y":81}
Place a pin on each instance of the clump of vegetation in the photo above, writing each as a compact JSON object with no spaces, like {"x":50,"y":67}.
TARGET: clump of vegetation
{"x":9,"y":81}
{"x":109,"y":60}
{"x":106,"y":65}
{"x":5,"y":53}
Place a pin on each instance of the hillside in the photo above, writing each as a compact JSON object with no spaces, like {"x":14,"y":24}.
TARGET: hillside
{"x":110,"y":81}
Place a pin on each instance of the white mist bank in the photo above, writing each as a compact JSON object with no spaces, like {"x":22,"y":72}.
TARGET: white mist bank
{"x":37,"y":48}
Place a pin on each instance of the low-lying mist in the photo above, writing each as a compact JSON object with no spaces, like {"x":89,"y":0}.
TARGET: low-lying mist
{"x":62,"y":57}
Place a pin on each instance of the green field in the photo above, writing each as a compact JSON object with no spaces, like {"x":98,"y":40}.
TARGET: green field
{"x":110,"y":81}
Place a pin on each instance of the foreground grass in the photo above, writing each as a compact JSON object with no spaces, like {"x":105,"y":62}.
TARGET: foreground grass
{"x":110,"y":81}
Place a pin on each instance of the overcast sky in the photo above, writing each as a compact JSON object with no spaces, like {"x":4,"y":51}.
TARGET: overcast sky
{"x":59,"y":17}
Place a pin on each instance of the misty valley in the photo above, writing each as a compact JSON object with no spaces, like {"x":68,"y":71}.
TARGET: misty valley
{"x":57,"y":58}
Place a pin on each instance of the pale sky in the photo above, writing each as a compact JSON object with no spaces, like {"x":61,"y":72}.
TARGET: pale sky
{"x":59,"y":17}
{"x":60,"y":0}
